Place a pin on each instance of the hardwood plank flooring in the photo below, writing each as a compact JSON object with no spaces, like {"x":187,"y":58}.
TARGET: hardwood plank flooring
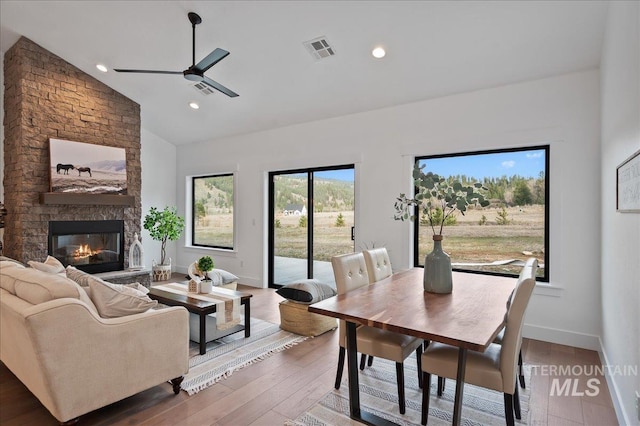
{"x":286,"y":384}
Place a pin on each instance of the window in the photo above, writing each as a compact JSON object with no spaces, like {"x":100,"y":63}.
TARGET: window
{"x":312,"y":217}
{"x":212,"y":219}
{"x":514,"y":226}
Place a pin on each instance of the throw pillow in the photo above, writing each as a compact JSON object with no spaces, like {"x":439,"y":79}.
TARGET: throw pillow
{"x":220,"y":277}
{"x":36,"y":286}
{"x":51,"y":265}
{"x":8,"y":259}
{"x":306,"y":291}
{"x":78,"y":276}
{"x":117,"y":300}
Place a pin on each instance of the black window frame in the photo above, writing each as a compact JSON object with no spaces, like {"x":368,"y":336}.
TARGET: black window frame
{"x":547,"y":149}
{"x":193,"y":211}
{"x":309,"y":171}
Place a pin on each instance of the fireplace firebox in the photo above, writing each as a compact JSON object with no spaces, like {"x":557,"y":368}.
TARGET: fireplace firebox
{"x":90,"y":245}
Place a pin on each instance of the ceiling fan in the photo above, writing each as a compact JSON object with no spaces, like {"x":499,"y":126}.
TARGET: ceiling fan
{"x":196,"y":71}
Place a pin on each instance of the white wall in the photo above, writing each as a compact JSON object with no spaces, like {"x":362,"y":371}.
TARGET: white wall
{"x":562,"y":111}
{"x":158,"y":188}
{"x":620,"y":231}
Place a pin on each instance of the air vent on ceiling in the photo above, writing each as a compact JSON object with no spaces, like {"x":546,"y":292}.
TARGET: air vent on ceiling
{"x":319,"y":48}
{"x":203,"y":88}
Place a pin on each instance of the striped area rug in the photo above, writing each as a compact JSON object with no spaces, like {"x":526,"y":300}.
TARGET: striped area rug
{"x":231,"y":353}
{"x":379,"y":395}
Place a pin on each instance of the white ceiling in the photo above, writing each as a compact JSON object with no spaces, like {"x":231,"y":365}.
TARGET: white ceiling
{"x":434,"y":49}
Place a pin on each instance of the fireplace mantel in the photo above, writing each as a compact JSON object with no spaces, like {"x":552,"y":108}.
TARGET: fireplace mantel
{"x":86,"y":199}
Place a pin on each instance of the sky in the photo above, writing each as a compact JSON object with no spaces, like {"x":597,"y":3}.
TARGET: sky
{"x":527,"y":164}
{"x":78,"y":153}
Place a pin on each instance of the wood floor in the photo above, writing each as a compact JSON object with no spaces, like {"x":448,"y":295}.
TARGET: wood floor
{"x":286,"y":384}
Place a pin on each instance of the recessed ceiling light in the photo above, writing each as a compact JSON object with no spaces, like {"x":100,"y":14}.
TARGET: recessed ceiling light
{"x":194,"y":105}
{"x":101,"y":67}
{"x":378,"y":52}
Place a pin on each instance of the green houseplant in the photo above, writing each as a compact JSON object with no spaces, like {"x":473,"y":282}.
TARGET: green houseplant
{"x":205,"y":264}
{"x":438,"y":200}
{"x":163,"y":225}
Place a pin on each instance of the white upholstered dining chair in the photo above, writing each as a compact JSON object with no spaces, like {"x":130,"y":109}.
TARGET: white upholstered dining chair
{"x":526,"y":270}
{"x":378,"y":264}
{"x":350,"y":272}
{"x":500,"y":337}
{"x":496,"y":368}
{"x":378,"y":268}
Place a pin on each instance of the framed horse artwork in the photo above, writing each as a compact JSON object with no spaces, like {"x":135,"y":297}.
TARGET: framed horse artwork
{"x":78,"y":167}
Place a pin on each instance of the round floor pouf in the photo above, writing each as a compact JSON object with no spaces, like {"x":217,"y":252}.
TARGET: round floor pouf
{"x":295,"y":317}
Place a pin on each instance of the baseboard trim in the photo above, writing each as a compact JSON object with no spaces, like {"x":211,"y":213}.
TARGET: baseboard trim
{"x":562,"y":337}
{"x":614,"y":391}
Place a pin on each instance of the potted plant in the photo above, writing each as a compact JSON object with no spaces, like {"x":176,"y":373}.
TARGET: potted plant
{"x":162,"y":226}
{"x":205,"y":264}
{"x":437,"y":199}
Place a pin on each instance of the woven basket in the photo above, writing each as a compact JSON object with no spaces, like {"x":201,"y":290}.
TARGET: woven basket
{"x":295,"y":317}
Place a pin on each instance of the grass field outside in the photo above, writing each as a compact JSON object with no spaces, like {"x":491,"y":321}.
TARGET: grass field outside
{"x":465,"y":242}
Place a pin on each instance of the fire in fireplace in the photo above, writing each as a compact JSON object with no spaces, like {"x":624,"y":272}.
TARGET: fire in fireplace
{"x":90,"y":245}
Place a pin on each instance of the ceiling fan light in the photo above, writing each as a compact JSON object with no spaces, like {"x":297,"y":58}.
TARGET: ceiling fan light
{"x":101,"y":67}
{"x":378,"y":52}
{"x":194,"y":105}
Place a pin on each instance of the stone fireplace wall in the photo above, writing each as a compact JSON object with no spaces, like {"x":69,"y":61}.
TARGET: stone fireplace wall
{"x":46,"y":97}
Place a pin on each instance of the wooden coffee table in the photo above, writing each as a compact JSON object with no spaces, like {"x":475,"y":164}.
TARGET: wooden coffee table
{"x":203,"y":308}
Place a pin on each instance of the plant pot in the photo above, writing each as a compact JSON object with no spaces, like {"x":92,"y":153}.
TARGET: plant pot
{"x":206,"y":286}
{"x":161,"y":272}
{"x":437,"y":269}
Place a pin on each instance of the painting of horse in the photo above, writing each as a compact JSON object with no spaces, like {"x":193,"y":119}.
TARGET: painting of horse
{"x":64,"y":167}
{"x":101,"y":169}
{"x":85,"y":170}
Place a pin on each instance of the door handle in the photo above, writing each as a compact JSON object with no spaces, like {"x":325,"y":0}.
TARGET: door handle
{"x":353,"y":233}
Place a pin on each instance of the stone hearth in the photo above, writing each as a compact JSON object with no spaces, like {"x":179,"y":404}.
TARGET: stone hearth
{"x":46,"y":97}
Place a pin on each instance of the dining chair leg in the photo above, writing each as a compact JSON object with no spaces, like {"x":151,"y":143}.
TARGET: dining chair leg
{"x":508,"y":409}
{"x":521,"y":374}
{"x":341,"y":355}
{"x":440,"y":385}
{"x":363,"y":360}
{"x":426,"y":390}
{"x":370,"y":361}
{"x":400,"y":378}
{"x":419,"y":365}
{"x":516,"y":402}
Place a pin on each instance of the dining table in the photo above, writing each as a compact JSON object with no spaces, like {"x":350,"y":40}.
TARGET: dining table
{"x":470,"y":317}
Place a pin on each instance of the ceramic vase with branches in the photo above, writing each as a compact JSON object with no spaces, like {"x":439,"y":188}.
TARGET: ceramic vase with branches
{"x":438,"y":199}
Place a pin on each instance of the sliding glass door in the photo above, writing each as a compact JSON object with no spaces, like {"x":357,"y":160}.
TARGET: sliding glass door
{"x":311,"y":216}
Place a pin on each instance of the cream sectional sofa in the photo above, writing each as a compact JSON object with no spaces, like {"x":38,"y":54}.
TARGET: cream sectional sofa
{"x":73,"y":360}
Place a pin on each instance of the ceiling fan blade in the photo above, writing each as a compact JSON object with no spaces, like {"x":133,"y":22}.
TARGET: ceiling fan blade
{"x":211,"y":59}
{"x":219,"y":87}
{"x":149,"y":71}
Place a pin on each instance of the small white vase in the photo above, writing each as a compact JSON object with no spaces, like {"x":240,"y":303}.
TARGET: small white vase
{"x":437,"y":269}
{"x":206,"y":286}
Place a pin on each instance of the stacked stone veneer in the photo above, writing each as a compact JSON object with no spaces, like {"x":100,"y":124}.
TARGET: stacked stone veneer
{"x":46,"y":97}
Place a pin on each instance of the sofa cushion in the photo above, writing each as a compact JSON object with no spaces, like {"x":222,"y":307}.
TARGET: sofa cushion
{"x":36,"y":286}
{"x":117,"y":300}
{"x":306,"y":291}
{"x":50,"y":265}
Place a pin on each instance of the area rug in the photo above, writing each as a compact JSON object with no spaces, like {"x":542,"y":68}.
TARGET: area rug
{"x":379,"y":395}
{"x":229,"y":354}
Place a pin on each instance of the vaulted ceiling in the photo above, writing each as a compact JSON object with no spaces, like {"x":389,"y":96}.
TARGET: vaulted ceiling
{"x":434,"y":49}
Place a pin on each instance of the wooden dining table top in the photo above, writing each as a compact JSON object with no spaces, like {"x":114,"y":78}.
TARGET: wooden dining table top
{"x":470,"y":317}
